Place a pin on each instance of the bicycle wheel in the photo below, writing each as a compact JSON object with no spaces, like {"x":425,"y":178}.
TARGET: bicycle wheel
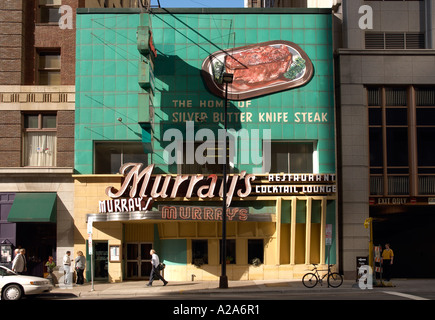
{"x":335,"y":279}
{"x":310,"y":280}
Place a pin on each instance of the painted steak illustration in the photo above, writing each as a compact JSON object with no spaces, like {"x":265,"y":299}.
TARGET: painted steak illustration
{"x":258,"y":69}
{"x":259,"y":64}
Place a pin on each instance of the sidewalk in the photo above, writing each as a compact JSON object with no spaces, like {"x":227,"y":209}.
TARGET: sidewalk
{"x":139,"y":288}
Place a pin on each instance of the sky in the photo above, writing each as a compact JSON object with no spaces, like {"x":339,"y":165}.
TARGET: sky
{"x":199,"y":3}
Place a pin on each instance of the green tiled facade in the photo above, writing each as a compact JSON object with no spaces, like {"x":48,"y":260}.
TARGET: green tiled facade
{"x":107,"y":78}
{"x":118,"y":99}
{"x":106,"y":83}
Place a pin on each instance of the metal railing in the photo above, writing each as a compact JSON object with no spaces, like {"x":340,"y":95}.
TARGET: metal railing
{"x":398,"y":185}
{"x":376,"y":185}
{"x":426,"y":184}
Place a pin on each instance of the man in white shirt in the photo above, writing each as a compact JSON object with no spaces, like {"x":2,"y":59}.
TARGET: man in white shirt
{"x":19,"y":263}
{"x":154,"y":269}
{"x":67,"y":269}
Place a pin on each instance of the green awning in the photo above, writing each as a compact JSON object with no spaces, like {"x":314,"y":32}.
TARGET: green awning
{"x":33,"y":207}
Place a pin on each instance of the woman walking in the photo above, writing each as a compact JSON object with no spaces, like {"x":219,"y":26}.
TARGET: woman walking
{"x":80,"y":264}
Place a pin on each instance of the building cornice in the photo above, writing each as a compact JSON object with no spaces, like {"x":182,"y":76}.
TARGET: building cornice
{"x":31,"y":98}
{"x":245,"y":11}
{"x":35,"y":170}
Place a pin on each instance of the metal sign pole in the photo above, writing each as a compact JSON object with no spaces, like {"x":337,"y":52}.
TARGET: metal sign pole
{"x":92,"y":273}
{"x":328,"y":242}
{"x":92,"y":261}
{"x":91,"y":251}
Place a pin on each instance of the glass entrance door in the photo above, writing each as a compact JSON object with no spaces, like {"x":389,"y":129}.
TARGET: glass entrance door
{"x":101,"y":261}
{"x":138,"y":260}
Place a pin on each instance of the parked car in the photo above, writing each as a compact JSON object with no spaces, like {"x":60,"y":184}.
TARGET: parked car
{"x":14,"y":286}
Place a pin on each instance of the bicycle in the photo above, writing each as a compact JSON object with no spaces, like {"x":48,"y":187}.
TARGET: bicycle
{"x":311,"y":279}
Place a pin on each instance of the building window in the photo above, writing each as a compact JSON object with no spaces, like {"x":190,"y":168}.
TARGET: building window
{"x":49,"y":67}
{"x":48,"y":11}
{"x":388,"y":140}
{"x":375,"y":140}
{"x":294,"y":157}
{"x":39,"y":140}
{"x":255,"y":251}
{"x":207,"y":158}
{"x":402,"y":140}
{"x":425,"y":123}
{"x":110,"y":156}
{"x":199,"y":252}
{"x":231,"y":251}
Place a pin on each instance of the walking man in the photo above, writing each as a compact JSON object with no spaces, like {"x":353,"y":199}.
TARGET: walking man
{"x":155,"y":272}
{"x":19,"y":265}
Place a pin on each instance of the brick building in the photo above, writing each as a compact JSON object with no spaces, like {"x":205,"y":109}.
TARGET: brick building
{"x":37,"y":110}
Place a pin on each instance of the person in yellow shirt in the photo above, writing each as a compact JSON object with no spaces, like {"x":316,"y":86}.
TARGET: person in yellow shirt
{"x":387,"y":262}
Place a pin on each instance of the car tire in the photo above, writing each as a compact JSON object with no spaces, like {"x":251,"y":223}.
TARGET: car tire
{"x":12,"y":292}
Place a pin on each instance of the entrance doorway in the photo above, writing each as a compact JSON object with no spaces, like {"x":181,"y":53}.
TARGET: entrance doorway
{"x":39,"y":240}
{"x":409,"y":231}
{"x":138,"y":260}
{"x":101,"y":256}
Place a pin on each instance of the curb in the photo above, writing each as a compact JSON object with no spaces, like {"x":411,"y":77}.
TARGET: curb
{"x":205,"y":288}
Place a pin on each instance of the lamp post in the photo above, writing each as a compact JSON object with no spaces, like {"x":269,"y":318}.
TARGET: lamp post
{"x":223,"y":280}
{"x":368,"y":224}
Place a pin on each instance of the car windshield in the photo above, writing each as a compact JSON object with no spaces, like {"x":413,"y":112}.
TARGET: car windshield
{"x":6,"y":272}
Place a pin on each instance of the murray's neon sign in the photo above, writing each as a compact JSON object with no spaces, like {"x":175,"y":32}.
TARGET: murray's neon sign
{"x":140,"y":187}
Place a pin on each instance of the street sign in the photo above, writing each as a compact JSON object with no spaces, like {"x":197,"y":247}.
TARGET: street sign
{"x":89,"y":225}
{"x":361,"y":261}
{"x":90,"y":244}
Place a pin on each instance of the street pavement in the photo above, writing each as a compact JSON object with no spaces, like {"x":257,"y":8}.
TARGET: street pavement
{"x":261,"y":299}
{"x":406,"y":289}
